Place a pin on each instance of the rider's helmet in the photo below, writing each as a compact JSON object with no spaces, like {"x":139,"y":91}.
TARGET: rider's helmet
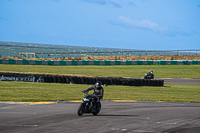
{"x":98,"y":84}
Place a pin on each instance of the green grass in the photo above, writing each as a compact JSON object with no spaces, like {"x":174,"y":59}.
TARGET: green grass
{"x":160,"y":71}
{"x":26,"y":91}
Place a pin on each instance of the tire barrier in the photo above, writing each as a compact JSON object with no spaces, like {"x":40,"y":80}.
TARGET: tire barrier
{"x":79,"y":80}
{"x":99,"y":62}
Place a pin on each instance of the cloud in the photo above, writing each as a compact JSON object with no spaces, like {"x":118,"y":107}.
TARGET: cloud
{"x":103,"y":2}
{"x":144,"y":24}
{"x":131,"y":4}
{"x":23,"y":33}
{"x":195,"y":32}
{"x":3,"y":18}
{"x":148,"y":25}
{"x":115,"y":4}
{"x":52,"y":34}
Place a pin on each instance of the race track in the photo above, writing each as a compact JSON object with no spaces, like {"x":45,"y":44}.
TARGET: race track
{"x":115,"y":117}
{"x":182,"y":81}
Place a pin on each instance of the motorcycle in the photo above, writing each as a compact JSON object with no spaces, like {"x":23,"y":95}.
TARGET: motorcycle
{"x":89,"y":105}
{"x":149,"y":75}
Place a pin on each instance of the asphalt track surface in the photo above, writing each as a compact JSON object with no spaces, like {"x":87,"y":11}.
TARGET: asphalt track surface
{"x":181,"y":81}
{"x":115,"y":117}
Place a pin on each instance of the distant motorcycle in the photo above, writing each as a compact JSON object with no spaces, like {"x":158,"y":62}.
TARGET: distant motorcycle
{"x":149,"y":75}
{"x":89,"y":105}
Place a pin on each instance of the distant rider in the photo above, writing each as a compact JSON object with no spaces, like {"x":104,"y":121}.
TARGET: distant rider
{"x":149,"y":75}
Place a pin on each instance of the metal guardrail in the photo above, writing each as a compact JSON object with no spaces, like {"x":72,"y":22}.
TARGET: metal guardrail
{"x":116,"y":54}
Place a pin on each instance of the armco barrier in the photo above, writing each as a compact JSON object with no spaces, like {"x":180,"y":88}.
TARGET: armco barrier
{"x":100,"y":62}
{"x":4,"y":76}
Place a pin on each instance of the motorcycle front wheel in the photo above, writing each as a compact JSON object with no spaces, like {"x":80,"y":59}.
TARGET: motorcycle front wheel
{"x":80,"y":110}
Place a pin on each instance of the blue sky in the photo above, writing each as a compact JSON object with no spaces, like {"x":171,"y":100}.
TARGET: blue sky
{"x":127,"y":24}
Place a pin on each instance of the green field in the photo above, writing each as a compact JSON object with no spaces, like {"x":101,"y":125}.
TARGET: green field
{"x":26,"y":91}
{"x":160,"y":71}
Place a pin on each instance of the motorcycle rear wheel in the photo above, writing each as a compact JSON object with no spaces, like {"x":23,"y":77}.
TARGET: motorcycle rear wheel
{"x":98,"y":109}
{"x":80,"y":110}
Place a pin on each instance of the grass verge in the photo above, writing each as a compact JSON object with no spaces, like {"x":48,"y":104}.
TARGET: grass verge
{"x":33,"y":92}
{"x":160,"y":71}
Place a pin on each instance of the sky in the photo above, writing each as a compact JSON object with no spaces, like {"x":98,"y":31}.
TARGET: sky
{"x":126,"y":24}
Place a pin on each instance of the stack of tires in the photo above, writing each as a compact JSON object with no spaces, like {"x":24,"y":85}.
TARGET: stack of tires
{"x":104,"y":80}
{"x":89,"y":80}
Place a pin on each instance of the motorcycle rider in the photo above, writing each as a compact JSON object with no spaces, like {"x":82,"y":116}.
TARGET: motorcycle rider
{"x":149,"y":75}
{"x":98,"y":91}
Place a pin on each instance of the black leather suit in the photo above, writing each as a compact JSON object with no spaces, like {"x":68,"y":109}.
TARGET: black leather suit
{"x":98,"y":92}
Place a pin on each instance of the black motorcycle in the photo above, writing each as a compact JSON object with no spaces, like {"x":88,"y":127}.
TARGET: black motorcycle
{"x":89,"y":105}
{"x":149,"y":75}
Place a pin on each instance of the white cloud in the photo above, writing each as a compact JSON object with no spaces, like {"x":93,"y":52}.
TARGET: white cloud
{"x":23,"y":32}
{"x":149,"y":25}
{"x":144,"y":24}
{"x":52,"y":34}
